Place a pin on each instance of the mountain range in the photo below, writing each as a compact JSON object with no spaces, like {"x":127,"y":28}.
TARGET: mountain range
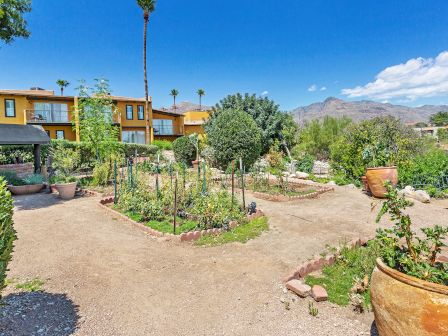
{"x":362,"y":110}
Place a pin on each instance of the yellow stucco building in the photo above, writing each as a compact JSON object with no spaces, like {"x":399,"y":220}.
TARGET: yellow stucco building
{"x":56,"y":115}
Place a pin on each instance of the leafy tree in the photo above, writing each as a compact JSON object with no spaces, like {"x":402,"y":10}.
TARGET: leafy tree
{"x":316,"y":136}
{"x":62,"y":83}
{"x":200,"y":93}
{"x":7,"y":232}
{"x":184,"y":150}
{"x":12,"y":23}
{"x":439,"y":119}
{"x":174,"y":93}
{"x":148,"y":7}
{"x":380,"y":141}
{"x":265,"y":112}
{"x":420,"y":125}
{"x":442,"y":134}
{"x":96,"y":115}
{"x":234,"y":135}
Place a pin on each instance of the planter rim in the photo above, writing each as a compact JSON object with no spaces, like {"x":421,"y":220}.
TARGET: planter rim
{"x":410,"y":280}
{"x":381,"y":168}
{"x":24,"y":185}
{"x":64,"y":184}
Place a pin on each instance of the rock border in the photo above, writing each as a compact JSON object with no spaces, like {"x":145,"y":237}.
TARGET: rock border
{"x":183,"y":237}
{"x":318,"y":263}
{"x":285,"y":198}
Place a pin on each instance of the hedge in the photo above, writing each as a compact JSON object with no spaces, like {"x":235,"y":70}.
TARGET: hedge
{"x":184,"y":150}
{"x":7,"y":232}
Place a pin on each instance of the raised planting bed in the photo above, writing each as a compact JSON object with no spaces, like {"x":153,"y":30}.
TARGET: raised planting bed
{"x":289,"y":192}
{"x":185,"y":228}
{"x":25,"y":189}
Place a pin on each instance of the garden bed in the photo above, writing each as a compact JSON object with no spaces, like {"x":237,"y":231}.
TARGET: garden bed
{"x":294,"y":191}
{"x":185,"y":231}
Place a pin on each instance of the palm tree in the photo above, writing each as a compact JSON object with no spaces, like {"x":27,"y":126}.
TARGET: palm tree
{"x":174,"y":93}
{"x":148,"y":6}
{"x":62,"y":83}
{"x":200,"y":93}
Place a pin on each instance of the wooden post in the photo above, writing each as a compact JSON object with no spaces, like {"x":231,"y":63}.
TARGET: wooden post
{"x":37,"y":164}
{"x":157,"y":177}
{"x":175,"y":206}
{"x":242,"y":182}
{"x":233,"y":183}
{"x":204,"y":182}
{"x":115,"y":182}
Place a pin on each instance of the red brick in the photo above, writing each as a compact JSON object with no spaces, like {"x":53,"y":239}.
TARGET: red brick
{"x":298,"y":287}
{"x":319,"y":293}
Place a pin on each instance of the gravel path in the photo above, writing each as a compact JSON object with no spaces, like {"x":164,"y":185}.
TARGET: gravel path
{"x":103,"y":277}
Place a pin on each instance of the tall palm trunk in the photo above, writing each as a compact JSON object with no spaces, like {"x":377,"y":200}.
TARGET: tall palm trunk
{"x":174,"y":97}
{"x":200,"y":103}
{"x":147,"y":113}
{"x":62,"y":91}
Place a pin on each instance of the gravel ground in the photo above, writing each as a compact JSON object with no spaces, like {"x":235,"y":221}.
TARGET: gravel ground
{"x":104,"y":277}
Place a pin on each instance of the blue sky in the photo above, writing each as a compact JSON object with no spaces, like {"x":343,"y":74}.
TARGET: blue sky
{"x":298,"y":52}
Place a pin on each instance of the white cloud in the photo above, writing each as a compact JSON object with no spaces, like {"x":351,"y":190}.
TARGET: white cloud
{"x":417,"y":78}
{"x":312,"y":88}
{"x":265,"y":93}
{"x":323,"y":88}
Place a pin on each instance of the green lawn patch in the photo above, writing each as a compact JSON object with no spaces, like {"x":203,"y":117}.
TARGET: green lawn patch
{"x":241,"y":234}
{"x":34,"y":285}
{"x":350,"y":268}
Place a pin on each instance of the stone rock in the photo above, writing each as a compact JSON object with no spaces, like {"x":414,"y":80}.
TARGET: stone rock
{"x":321,"y":167}
{"x":331,"y":183}
{"x":319,"y":293}
{"x":419,"y":195}
{"x":302,"y":175}
{"x":351,"y":186}
{"x":298,"y":287}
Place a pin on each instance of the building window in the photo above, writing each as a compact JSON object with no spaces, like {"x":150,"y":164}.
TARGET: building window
{"x":137,"y":137}
{"x":129,"y":112}
{"x":163,"y":126}
{"x":141,"y":112}
{"x":10,"y":108}
{"x":60,"y":135}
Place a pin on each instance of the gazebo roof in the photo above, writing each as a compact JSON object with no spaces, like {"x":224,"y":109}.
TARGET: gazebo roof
{"x":23,"y":135}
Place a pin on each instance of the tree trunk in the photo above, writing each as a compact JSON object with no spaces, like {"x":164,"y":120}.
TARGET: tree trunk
{"x":62,"y":91}
{"x":174,"y":97}
{"x":200,"y":103}
{"x":147,"y":114}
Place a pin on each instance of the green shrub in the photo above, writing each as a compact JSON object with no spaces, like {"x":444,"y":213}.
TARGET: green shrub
{"x":102,"y":174}
{"x":316,"y":137}
{"x":381,"y":141}
{"x":163,"y":144}
{"x":427,"y":168}
{"x":184,"y":150}
{"x":442,"y":134}
{"x":305,"y":162}
{"x":34,"y":179}
{"x":234,"y":135}
{"x":16,"y":154}
{"x":11,"y":178}
{"x":142,"y":150}
{"x":7,"y":232}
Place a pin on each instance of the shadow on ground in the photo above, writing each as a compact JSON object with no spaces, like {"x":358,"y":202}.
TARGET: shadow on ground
{"x":373,"y":329}
{"x":36,"y":201}
{"x":38,"y":313}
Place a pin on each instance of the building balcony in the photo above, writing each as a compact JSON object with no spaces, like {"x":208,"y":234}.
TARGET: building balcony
{"x":167,"y":131}
{"x":47,"y":117}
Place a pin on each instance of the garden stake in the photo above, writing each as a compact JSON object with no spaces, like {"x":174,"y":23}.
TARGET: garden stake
{"x":171,"y":174}
{"x":175,"y":205}
{"x":242,"y":182}
{"x":233,"y":183}
{"x":115,"y":182}
{"x":204,"y":182}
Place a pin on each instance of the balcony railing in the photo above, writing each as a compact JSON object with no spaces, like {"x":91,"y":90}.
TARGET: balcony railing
{"x":46,"y":116}
{"x":166,"y":130}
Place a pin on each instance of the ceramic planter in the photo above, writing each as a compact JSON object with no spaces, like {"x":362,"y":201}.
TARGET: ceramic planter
{"x":66,"y":190}
{"x":376,"y":177}
{"x":405,"y":305}
{"x":25,"y":189}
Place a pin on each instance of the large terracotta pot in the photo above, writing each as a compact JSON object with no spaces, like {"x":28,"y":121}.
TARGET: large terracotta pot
{"x":376,"y":177}
{"x":407,"y":306}
{"x":25,"y":189}
{"x":66,"y":190}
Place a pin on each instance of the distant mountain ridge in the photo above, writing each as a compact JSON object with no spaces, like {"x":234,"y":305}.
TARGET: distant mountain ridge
{"x":362,"y":110}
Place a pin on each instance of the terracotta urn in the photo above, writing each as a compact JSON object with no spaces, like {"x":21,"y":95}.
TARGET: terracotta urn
{"x":365,"y":184}
{"x":25,"y":189}
{"x":66,"y":190}
{"x":405,"y":305}
{"x":376,"y":177}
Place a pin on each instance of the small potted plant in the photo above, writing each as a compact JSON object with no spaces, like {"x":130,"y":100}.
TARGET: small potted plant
{"x":409,"y":286}
{"x":65,"y":161}
{"x":380,"y":168}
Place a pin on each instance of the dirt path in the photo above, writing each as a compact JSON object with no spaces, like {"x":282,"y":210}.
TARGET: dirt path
{"x":103,"y":277}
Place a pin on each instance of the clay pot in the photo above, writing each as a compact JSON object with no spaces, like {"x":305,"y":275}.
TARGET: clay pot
{"x":405,"y":305}
{"x":376,"y":177}
{"x":365,"y":184}
{"x":195,"y":164}
{"x":53,"y":189}
{"x":25,"y":189}
{"x":66,"y":190}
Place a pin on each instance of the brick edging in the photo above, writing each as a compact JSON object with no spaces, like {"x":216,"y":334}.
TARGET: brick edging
{"x":285,"y":198}
{"x":183,"y":237}
{"x":318,"y":263}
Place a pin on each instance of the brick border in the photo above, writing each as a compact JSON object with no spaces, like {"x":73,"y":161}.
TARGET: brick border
{"x":285,"y":198}
{"x":183,"y":237}
{"x":318,"y":263}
